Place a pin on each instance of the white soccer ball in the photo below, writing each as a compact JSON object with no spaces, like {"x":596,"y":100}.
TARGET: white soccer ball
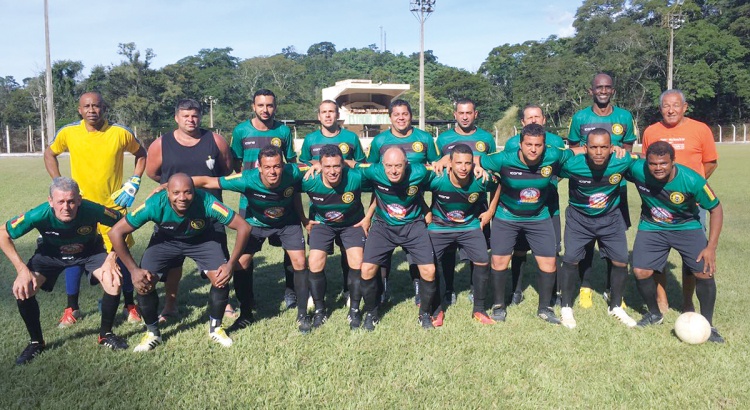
{"x":692,"y":328}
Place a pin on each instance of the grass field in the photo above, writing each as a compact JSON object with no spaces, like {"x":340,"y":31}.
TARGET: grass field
{"x":523,"y":363}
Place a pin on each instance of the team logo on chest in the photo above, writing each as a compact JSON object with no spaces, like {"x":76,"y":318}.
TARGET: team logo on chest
{"x":210,"y":162}
{"x":197,"y":224}
{"x":344,"y":147}
{"x":417,"y":147}
{"x":530,"y":196}
{"x":84,"y":230}
{"x":473,"y":197}
{"x":71,"y":249}
{"x":661,"y":215}
{"x":677,"y":198}
{"x":617,"y":129}
{"x":598,"y":201}
{"x":480,"y":146}
{"x":347,"y":197}
{"x":546,"y":171}
{"x":615,"y":179}
{"x":274,"y":213}
{"x":276,"y":142}
{"x":289,"y":192}
{"x":412,"y":190}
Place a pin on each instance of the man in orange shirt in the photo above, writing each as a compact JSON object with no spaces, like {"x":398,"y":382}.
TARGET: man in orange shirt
{"x":695,"y":148}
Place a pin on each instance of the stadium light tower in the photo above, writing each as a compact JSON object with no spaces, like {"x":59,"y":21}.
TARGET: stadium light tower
{"x":674,"y":19}
{"x":50,"y":93}
{"x":421,"y":10}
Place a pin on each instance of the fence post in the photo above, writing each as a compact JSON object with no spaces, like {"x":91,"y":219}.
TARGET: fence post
{"x":7,"y":139}
{"x":497,"y":135}
{"x":719,"y":132}
{"x":734,"y":133}
{"x":744,"y":132}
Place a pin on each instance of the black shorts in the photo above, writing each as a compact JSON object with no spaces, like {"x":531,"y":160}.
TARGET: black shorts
{"x":539,"y":234}
{"x":608,"y":229}
{"x":163,"y":254}
{"x":51,"y":266}
{"x":383,"y":239}
{"x":322,"y":237}
{"x":651,"y":248}
{"x":472,"y":242}
{"x":522,"y":244}
{"x":624,"y":208}
{"x":289,"y":237}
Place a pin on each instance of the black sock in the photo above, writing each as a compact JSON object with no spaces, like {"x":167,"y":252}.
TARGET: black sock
{"x":128,"y":296}
{"x":109,"y":311}
{"x":705,"y":289}
{"x":302,"y":290}
{"x":516,"y":268}
{"x":149,"y":304}
{"x":289,"y":274}
{"x":585,"y":264}
{"x":381,"y":279}
{"x":427,"y":293}
{"x":318,"y":288}
{"x":29,"y":310}
{"x":617,"y":285}
{"x":499,"y":277}
{"x":608,"y":277}
{"x":243,"y":289}
{"x":355,"y":293}
{"x":481,"y":277}
{"x":546,"y":284}
{"x":217,"y":302}
{"x":647,"y":289}
{"x":568,"y":279}
{"x":344,"y":269}
{"x":448,"y":265}
{"x":369,"y":294}
{"x":413,"y":272}
{"x":73,"y":302}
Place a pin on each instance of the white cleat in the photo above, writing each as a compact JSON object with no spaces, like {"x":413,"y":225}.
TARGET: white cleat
{"x":220,"y":336}
{"x":566,"y":317}
{"x":149,"y":341}
{"x":622,"y":316}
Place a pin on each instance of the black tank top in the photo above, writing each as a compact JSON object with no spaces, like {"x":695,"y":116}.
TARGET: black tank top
{"x":202,"y":159}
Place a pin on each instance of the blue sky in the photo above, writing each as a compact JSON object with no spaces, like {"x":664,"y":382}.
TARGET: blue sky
{"x":460,"y":32}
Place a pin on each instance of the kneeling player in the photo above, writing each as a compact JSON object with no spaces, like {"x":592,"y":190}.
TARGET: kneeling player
{"x":69,"y":238}
{"x":671,"y":194}
{"x":184,"y":221}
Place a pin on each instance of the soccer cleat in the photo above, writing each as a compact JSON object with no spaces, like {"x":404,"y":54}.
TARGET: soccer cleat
{"x":449,"y":298}
{"x":622,"y":316}
{"x":355,"y":318}
{"x":131,"y":314}
{"x":148,"y":342}
{"x":715,"y":336}
{"x":517,"y":298}
{"x":319,"y":317}
{"x":548,"y":315}
{"x":113,"y":341}
{"x":290,"y":299}
{"x":650,"y":319}
{"x":606,"y":295}
{"x":566,"y":317}
{"x":69,"y":318}
{"x":30,"y":352}
{"x":371,"y":319}
{"x":417,"y":300}
{"x":305,"y":326}
{"x":584,"y":298}
{"x":425,"y":321}
{"x":219,"y":335}
{"x":482,"y":318}
{"x":437,"y":321}
{"x":499,"y":313}
{"x":242,"y":322}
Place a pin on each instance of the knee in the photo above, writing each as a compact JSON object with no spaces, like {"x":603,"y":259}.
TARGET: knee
{"x":368,"y":271}
{"x":427,"y":272}
{"x":619,"y":264}
{"x":642,"y":273}
{"x":703,"y":276}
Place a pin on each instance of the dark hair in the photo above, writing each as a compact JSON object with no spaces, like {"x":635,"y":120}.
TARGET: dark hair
{"x":264,"y":91}
{"x":599,"y":131}
{"x":461,"y":149}
{"x":602,"y":73}
{"x":399,"y":103}
{"x":528,"y":106}
{"x":533,"y":130}
{"x":270,"y":151}
{"x":466,"y":101}
{"x":329,"y":102}
{"x":330,"y":150}
{"x":660,"y":148}
{"x":188,"y":104}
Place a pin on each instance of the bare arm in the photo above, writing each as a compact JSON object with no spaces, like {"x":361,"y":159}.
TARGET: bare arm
{"x":117,"y":237}
{"x":708,"y":255}
{"x":710,"y":167}
{"x":627,"y":147}
{"x":154,"y":161}
{"x":486,"y":216}
{"x":140,"y":162}
{"x":51,"y":163}
{"x":206,"y":182}
{"x":25,"y":285}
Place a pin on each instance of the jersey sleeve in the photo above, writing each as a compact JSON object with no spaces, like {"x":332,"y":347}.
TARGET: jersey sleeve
{"x":512,"y":144}
{"x":304,"y":154}
{"x":374,"y":156}
{"x":108,"y":216}
{"x":491,"y":146}
{"x":492,"y":162}
{"x":297,"y":172}
{"x":132,"y":144}
{"x":290,"y":154}
{"x":629,"y":137}
{"x":432,"y":152}
{"x":60,"y":142}
{"x":235,"y":182}
{"x":359,"y":153}
{"x":22,"y":224}
{"x":236,"y":143}
{"x":217,"y":210}
{"x":706,"y":197}
{"x":139,"y":216}
{"x":708,"y":145}
{"x":565,"y":154}
{"x":574,"y":131}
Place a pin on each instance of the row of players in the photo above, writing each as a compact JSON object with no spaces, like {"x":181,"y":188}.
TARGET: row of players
{"x":264,"y":104}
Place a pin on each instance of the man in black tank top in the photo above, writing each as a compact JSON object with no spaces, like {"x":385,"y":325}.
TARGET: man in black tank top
{"x":196,"y":152}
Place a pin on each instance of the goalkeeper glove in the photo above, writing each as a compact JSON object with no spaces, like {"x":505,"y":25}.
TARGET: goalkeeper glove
{"x":126,"y":195}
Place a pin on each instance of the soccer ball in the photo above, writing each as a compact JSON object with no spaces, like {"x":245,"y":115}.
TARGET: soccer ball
{"x":692,"y":328}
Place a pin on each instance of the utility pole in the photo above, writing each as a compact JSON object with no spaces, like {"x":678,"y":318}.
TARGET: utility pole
{"x":673,"y":20}
{"x":421,"y":10}
{"x":50,"y":93}
{"x":210,"y":100}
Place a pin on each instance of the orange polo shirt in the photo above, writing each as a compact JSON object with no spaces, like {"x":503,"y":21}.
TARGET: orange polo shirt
{"x":692,"y":140}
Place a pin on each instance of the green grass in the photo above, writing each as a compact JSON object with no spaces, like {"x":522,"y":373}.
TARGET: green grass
{"x":522,"y":363}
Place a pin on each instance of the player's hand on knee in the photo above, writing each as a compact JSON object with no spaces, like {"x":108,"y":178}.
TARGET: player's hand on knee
{"x":708,"y":256}
{"x":223,"y":275}
{"x":25,"y":284}
{"x":126,"y":195}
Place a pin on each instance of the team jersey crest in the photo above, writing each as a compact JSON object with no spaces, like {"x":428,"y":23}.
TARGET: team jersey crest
{"x":417,"y":147}
{"x":344,"y":147}
{"x":617,"y":129}
{"x":615,"y":179}
{"x":677,"y":197}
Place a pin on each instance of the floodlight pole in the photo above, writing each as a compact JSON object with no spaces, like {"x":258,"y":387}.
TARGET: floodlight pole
{"x":50,"y":93}
{"x":421,"y":10}
{"x":674,"y":21}
{"x":210,"y":100}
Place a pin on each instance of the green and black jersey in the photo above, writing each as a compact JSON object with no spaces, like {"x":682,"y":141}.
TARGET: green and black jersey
{"x":397,"y":204}
{"x":619,"y":124}
{"x":419,"y":146}
{"x":347,"y":141}
{"x":339,"y":206}
{"x":480,"y":141}
{"x":199,"y":218}
{"x":247,"y":141}
{"x":595,"y":192}
{"x":671,"y":206}
{"x":457,"y":208}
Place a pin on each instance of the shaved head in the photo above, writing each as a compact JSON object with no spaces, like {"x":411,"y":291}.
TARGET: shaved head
{"x":180,"y":179}
{"x":394,"y":155}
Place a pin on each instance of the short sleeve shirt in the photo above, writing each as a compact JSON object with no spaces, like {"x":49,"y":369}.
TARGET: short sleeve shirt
{"x":693,"y":143}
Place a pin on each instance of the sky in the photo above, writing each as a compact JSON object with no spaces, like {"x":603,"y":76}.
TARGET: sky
{"x":461,"y":33}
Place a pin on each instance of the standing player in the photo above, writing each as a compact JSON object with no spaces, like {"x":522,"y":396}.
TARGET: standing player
{"x":183,"y":219}
{"x":670,"y":195}
{"x":399,"y":221}
{"x":694,"y":147}
{"x":67,"y":224}
{"x":97,"y":151}
{"x":594,"y":214}
{"x":248,"y":138}
{"x":336,"y":215}
{"x":481,"y":143}
{"x":419,"y":147}
{"x":194,"y":151}
{"x":459,"y":217}
{"x":533,"y":114}
{"x":270,"y":190}
{"x":619,"y":123}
